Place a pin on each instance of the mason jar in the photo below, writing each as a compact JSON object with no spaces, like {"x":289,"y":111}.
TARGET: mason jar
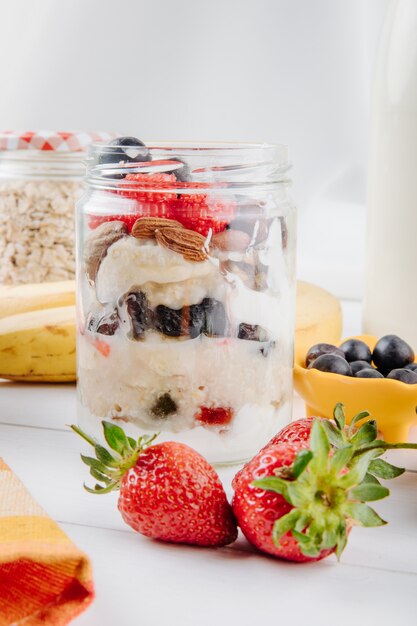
{"x":186,"y":290}
{"x":41,"y":176}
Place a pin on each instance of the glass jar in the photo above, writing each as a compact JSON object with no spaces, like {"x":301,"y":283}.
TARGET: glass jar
{"x":186,"y":289}
{"x":41,"y":176}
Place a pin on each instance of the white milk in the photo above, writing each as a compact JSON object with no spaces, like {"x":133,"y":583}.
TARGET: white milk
{"x":391,"y":287}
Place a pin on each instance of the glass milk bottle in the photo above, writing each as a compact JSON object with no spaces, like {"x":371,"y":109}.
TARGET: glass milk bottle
{"x":391,"y":287}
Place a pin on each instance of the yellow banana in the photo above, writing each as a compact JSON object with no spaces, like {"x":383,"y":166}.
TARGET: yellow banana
{"x":16,"y":299}
{"x":38,"y":345}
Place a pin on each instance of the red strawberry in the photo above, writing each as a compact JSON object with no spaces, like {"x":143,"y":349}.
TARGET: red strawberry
{"x":295,"y":432}
{"x":299,"y":503}
{"x":215,"y":416}
{"x":201,"y":212}
{"x":151,"y":200}
{"x":257,"y":510}
{"x":167,"y":491}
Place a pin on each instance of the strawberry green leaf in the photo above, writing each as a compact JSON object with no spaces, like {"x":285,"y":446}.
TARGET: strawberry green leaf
{"x":367,"y":492}
{"x":320,"y":446}
{"x":132,"y":442}
{"x":383,"y":469}
{"x":297,"y":495}
{"x":302,"y":459}
{"x":370,"y":479}
{"x":99,"y":476}
{"x":273,"y":483}
{"x":105,"y":457}
{"x":284,"y":524}
{"x":342,"y":538}
{"x":341,"y":458}
{"x":363,"y":514}
{"x":358,"y":470}
{"x":365,"y":434}
{"x":116,"y":438}
{"x":360,"y":416}
{"x":339,"y":415}
{"x":334,"y":435}
{"x":91,"y":462}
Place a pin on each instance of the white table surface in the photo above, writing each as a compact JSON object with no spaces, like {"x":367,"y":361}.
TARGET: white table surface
{"x":143,"y":582}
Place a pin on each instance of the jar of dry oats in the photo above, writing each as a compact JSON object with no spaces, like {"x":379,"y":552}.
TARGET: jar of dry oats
{"x":41,"y":176}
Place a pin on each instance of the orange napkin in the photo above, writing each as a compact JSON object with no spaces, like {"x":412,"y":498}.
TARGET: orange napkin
{"x":44,"y":578}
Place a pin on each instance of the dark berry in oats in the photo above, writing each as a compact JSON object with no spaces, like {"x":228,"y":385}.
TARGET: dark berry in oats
{"x":322,"y":348}
{"x":182,"y":174}
{"x":368,"y":373}
{"x":106,"y":324}
{"x":252,"y":332}
{"x":215,"y":416}
{"x":357,"y":366}
{"x":215,"y":318}
{"x":197,"y":320}
{"x":164,"y":406}
{"x":391,"y":353}
{"x":331,"y":363}
{"x":124,"y":150}
{"x":404,"y":375}
{"x":139,"y":312}
{"x":169,"y":321}
{"x":356,"y":350}
{"x":412,"y":367}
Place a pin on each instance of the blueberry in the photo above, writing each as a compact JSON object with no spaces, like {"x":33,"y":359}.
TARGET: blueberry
{"x":215,"y":318}
{"x":169,"y":321}
{"x":252,"y":332}
{"x":331,"y":363}
{"x":357,"y":366}
{"x":356,"y":350}
{"x":391,"y":353}
{"x":182,"y":174}
{"x":368,"y":373}
{"x":322,"y":348}
{"x":197,"y":321}
{"x":139,"y":313}
{"x":404,"y":375}
{"x":124,"y":149}
{"x":164,"y":406}
{"x":412,"y":367}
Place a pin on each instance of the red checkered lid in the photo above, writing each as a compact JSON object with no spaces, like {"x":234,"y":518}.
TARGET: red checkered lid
{"x":59,"y":141}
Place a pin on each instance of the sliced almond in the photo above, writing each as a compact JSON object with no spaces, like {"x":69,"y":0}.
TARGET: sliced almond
{"x":231,"y":241}
{"x":145,"y":227}
{"x":186,"y":242}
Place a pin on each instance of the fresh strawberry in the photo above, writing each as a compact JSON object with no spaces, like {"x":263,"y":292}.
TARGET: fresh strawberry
{"x":300,"y":504}
{"x":215,"y":416}
{"x":151,"y":200}
{"x":202,"y":212}
{"x":295,"y":432}
{"x":167,"y":491}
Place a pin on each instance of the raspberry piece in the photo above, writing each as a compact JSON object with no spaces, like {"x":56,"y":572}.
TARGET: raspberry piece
{"x":150,"y":202}
{"x":202,"y":213}
{"x":215,"y":416}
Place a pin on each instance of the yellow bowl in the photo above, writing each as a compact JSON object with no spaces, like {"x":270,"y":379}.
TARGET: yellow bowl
{"x":391,"y":402}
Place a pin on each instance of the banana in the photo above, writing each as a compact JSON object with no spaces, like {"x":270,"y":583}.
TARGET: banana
{"x":38,"y":345}
{"x":16,"y":299}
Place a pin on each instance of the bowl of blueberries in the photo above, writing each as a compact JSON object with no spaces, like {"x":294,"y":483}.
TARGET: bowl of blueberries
{"x":365,"y":373}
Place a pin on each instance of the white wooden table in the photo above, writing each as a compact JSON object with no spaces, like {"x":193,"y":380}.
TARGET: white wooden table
{"x":143,"y":582}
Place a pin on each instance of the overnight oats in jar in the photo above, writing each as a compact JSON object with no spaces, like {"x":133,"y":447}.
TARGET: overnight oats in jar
{"x":186,"y":293}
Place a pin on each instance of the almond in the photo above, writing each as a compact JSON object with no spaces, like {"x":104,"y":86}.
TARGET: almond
{"x":99,"y":241}
{"x":145,"y":227}
{"x":186,"y":242}
{"x":231,"y":241}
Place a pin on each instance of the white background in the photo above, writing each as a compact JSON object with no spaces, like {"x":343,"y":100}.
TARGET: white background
{"x":283,"y":71}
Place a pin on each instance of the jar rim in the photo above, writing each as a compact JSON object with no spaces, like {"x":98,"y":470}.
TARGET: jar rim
{"x":223,"y":164}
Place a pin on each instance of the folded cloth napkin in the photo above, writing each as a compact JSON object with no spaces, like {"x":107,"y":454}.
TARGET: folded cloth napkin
{"x":44,"y":578}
